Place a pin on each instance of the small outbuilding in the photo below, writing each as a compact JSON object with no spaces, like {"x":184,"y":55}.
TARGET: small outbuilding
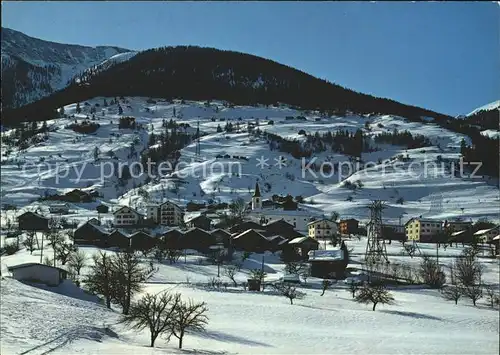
{"x":39,"y":273}
{"x":328,"y":264}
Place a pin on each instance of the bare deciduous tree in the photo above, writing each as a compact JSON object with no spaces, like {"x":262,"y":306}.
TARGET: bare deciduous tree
{"x":230,"y":273}
{"x":325,"y":285}
{"x":155,"y":312}
{"x":492,"y":295}
{"x":353,"y":287}
{"x":188,"y":316}
{"x":374,"y":293}
{"x":474,"y":292}
{"x":431,"y":272}
{"x":294,"y":268}
{"x":77,"y":260}
{"x":30,"y":242}
{"x":101,"y":278}
{"x":56,"y":239}
{"x":64,"y":252}
{"x":258,"y":274}
{"x":452,"y":293}
{"x":130,"y":276}
{"x":410,"y":249}
{"x":173,"y":255}
{"x":468,"y":272}
{"x":289,"y":291}
{"x":305,"y":273}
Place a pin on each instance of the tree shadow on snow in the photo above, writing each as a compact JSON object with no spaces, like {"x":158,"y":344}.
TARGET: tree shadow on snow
{"x":202,"y":351}
{"x":412,"y":314}
{"x":320,"y":308}
{"x":228,"y":338}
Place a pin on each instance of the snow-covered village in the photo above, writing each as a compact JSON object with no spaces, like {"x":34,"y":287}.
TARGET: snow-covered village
{"x":190,"y":200}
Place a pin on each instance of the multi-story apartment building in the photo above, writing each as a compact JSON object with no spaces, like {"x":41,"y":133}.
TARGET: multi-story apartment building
{"x":322,"y":228}
{"x":167,"y":214}
{"x":457,"y":226}
{"x":422,"y":230}
{"x":126,"y":216}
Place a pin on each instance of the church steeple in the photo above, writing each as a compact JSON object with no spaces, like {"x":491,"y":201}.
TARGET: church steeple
{"x":256,"y":198}
{"x":257,"y":190}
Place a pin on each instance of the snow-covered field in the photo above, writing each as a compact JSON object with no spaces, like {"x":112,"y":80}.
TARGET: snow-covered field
{"x":64,"y":320}
{"x":66,"y":161}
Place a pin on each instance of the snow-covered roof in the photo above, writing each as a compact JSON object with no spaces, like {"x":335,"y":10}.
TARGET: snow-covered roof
{"x":320,"y":220}
{"x":497,"y":237}
{"x":25,"y":265}
{"x":273,"y":237}
{"x":130,"y":208}
{"x":484,"y":231}
{"x":287,"y":213}
{"x":454,"y":234}
{"x":249,"y":231}
{"x":300,"y":240}
{"x":326,"y":255}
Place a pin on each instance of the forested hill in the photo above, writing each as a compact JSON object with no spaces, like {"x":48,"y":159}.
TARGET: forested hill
{"x":196,"y":73}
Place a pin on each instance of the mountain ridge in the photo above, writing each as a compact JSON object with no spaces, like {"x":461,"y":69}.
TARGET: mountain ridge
{"x":34,"y":68}
{"x":196,"y":73}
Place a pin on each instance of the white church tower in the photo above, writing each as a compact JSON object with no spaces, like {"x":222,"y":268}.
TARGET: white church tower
{"x":256,"y":199}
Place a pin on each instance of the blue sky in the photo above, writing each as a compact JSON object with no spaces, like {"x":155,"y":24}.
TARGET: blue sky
{"x":441,"y":56}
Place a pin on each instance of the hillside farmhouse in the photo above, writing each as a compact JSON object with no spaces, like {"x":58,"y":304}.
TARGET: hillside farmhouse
{"x":126,"y":217}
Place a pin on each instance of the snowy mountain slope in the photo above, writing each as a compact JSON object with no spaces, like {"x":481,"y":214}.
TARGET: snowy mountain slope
{"x":411,"y":187}
{"x":487,"y":119}
{"x":495,"y":105}
{"x":196,"y":73}
{"x":34,"y":68}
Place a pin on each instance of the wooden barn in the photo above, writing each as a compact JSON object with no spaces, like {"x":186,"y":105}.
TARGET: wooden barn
{"x":33,"y":222}
{"x":119,"y":240}
{"x":171,"y":239}
{"x":102,"y":209}
{"x":278,"y":226}
{"x":222,"y":236}
{"x":246,"y":225}
{"x":142,"y":241}
{"x":197,"y":239}
{"x":252,"y":241}
{"x":90,"y":233}
{"x":277,"y":242}
{"x":201,"y":221}
{"x":303,"y":245}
